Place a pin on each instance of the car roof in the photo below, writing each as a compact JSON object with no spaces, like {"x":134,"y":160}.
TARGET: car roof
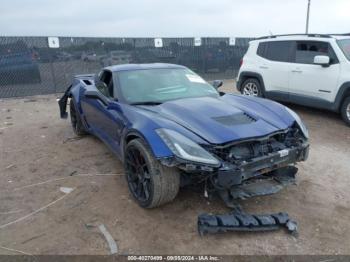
{"x":318,"y":37}
{"x":340,"y":37}
{"x":132,"y":67}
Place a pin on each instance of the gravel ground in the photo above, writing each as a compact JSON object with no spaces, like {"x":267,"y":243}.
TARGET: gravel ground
{"x":41,"y":157}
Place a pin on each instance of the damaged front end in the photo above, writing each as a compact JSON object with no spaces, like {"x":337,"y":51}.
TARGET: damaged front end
{"x":250,"y":168}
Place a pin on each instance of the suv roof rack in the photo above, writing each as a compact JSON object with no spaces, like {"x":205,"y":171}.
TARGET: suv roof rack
{"x":309,"y":35}
{"x":346,"y":34}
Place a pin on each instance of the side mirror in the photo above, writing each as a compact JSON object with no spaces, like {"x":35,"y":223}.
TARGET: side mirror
{"x":322,"y":60}
{"x":217,"y":83}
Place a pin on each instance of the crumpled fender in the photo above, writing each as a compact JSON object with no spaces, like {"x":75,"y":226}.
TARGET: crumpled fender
{"x":143,"y":124}
{"x":71,"y":91}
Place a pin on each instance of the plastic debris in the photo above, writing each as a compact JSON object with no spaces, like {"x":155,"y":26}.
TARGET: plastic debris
{"x":241,"y":221}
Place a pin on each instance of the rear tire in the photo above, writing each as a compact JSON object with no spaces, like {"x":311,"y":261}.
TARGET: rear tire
{"x":345,"y":110}
{"x":150,"y":183}
{"x":75,"y":120}
{"x":251,"y":87}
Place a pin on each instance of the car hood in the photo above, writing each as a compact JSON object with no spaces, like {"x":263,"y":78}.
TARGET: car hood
{"x":224,"y":119}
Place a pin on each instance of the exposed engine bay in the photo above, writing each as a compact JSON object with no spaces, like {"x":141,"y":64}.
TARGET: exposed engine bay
{"x":254,"y":168}
{"x":250,"y":168}
{"x":239,"y":152}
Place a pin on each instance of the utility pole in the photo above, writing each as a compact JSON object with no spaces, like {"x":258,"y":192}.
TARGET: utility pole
{"x":307,"y":17}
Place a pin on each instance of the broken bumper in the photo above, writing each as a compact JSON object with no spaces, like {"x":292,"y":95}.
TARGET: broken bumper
{"x":235,"y":175}
{"x":239,"y":221}
{"x":259,"y":176}
{"x":260,"y":186}
{"x":263,"y":176}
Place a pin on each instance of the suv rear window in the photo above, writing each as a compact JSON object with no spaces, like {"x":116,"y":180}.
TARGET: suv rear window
{"x":307,"y":50}
{"x":275,"y":50}
{"x":345,"y":47}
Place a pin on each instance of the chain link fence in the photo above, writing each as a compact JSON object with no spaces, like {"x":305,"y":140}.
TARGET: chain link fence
{"x":32,"y":66}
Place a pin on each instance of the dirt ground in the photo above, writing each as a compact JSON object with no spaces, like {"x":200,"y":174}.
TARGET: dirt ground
{"x":40,"y":158}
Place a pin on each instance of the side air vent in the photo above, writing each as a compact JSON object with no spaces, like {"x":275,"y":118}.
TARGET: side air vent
{"x":87,"y":82}
{"x":236,"y":119}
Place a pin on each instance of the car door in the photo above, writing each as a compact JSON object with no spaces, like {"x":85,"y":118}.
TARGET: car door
{"x":275,"y":67}
{"x":103,"y":112}
{"x":309,"y":81}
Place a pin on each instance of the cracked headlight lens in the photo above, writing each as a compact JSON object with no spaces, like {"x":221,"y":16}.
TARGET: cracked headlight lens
{"x":299,"y":122}
{"x":185,"y":148}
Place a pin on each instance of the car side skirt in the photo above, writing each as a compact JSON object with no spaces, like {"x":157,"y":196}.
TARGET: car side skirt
{"x":301,"y":100}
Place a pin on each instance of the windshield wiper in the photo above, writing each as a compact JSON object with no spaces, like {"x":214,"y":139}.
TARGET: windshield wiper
{"x":147,"y":103}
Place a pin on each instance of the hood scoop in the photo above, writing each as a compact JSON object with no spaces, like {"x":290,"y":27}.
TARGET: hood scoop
{"x":215,"y":120}
{"x":235,"y":119}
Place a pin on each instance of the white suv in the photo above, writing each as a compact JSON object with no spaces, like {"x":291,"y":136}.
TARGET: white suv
{"x":311,"y":70}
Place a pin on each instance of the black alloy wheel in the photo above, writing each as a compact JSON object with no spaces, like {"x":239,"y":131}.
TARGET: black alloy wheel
{"x":138,"y":175}
{"x":150,"y":183}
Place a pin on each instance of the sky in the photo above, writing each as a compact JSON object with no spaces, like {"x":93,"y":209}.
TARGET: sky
{"x":175,"y":18}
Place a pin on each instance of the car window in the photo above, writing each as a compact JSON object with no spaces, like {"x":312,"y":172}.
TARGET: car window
{"x":107,"y":89}
{"x":261,"y":49}
{"x":275,"y":50}
{"x":344,"y":45}
{"x":160,"y":85}
{"x":306,"y":51}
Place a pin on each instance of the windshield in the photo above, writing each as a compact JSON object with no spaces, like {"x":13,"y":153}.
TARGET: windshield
{"x":160,"y":85}
{"x":345,"y":47}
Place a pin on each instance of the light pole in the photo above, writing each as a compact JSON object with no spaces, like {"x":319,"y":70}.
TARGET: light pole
{"x":307,"y":17}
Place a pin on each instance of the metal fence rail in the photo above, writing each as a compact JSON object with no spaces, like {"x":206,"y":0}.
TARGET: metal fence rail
{"x":42,"y":65}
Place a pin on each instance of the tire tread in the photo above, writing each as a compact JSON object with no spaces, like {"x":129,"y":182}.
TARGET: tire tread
{"x":345,"y":103}
{"x":166,"y":180}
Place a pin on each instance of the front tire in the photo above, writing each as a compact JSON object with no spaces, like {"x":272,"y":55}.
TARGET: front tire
{"x":75,"y":120}
{"x":345,"y":110}
{"x":150,"y":183}
{"x":251,"y":87}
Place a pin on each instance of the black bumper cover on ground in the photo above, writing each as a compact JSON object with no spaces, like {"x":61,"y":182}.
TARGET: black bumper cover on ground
{"x":240,"y":221}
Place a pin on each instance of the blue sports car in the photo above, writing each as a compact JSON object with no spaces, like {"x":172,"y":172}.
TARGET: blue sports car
{"x":171,"y":128}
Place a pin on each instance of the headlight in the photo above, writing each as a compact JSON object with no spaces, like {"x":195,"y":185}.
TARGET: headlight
{"x":185,"y":148}
{"x":299,"y":122}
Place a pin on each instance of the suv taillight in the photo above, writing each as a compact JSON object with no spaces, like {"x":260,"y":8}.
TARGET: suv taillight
{"x":241,"y":62}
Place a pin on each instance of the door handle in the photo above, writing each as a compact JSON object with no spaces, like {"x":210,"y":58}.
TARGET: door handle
{"x":297,"y":71}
